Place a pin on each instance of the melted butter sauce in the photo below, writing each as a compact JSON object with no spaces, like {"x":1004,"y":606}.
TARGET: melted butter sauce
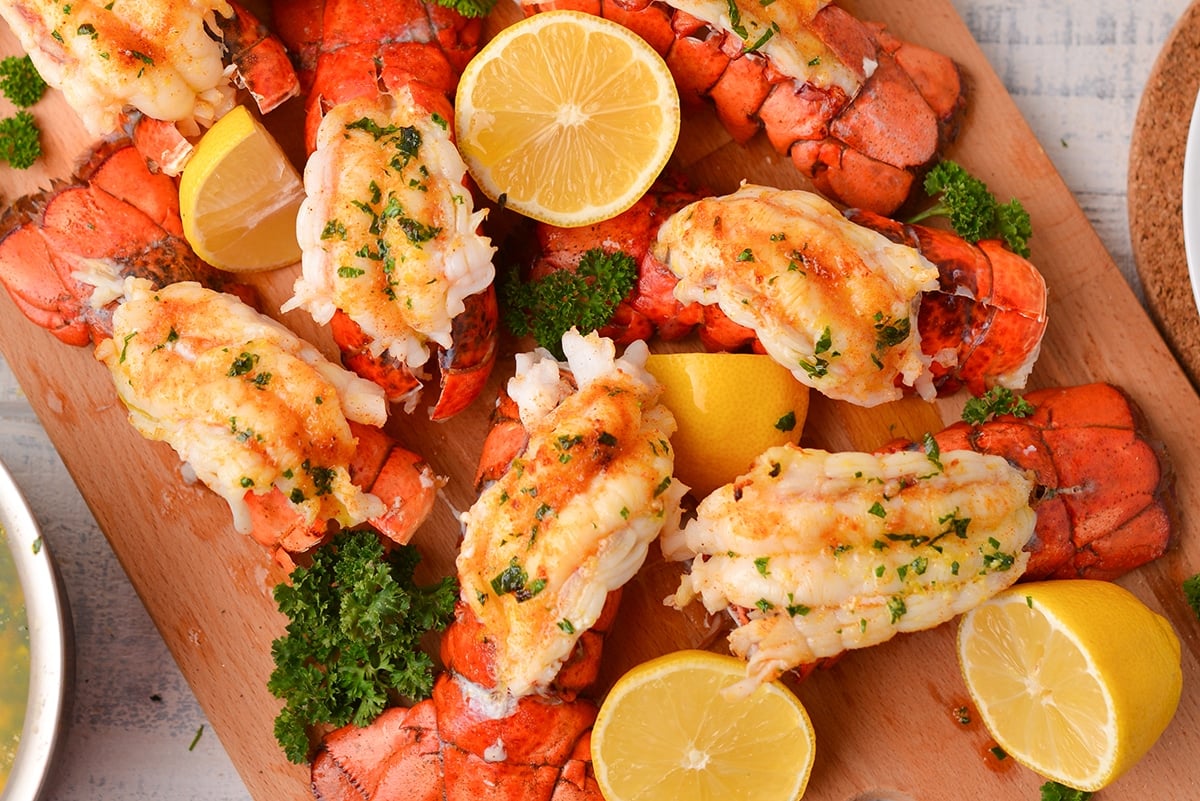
{"x":14,"y":660}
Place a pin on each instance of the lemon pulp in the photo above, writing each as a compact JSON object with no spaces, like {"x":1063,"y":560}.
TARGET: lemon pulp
{"x":729,"y":407}
{"x":1076,"y":679}
{"x":566,"y":116}
{"x":667,"y":731}
{"x":239,"y":196}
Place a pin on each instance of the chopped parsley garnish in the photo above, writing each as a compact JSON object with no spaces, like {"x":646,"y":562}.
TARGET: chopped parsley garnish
{"x":243,"y":364}
{"x":819,"y":366}
{"x":954,"y":525}
{"x":356,"y":619}
{"x":735,"y":19}
{"x":888,"y":334}
{"x":763,"y":39}
{"x":993,"y":403}
{"x":321,"y":477}
{"x":794,"y":609}
{"x":510,"y":579}
{"x":787,"y":422}
{"x":998,"y":560}
{"x":513,"y":579}
{"x":932,"y":452}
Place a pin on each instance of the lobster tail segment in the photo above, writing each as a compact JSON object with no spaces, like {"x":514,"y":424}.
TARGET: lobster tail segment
{"x":345,"y":50}
{"x":1104,"y":487}
{"x":66,"y":251}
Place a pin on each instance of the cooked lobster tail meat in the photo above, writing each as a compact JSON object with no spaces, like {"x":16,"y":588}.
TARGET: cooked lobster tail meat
{"x":780,"y":272}
{"x":569,"y":507}
{"x":819,"y":553}
{"x":572,"y":517}
{"x":251,"y":409}
{"x":162,"y":64}
{"x":815,"y":554}
{"x":393,"y":258}
{"x":833,"y":302}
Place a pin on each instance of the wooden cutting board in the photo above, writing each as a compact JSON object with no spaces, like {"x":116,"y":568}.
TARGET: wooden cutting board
{"x":884,"y":717}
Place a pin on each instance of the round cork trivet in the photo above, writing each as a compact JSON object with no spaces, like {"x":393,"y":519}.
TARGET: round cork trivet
{"x":1155,"y":190}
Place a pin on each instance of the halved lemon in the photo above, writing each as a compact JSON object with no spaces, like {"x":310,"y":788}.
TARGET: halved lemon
{"x":729,"y":408}
{"x":239,"y":195}
{"x":666,"y":731}
{"x":567,"y":117}
{"x":1075,"y":679}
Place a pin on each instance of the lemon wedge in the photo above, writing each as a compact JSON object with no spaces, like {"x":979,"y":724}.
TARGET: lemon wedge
{"x":666,"y":732}
{"x":1075,"y":679}
{"x":239,"y":195}
{"x":729,"y":408}
{"x":566,"y":116}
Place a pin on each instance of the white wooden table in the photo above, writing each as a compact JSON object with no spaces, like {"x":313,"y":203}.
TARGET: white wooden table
{"x":1075,"y":70}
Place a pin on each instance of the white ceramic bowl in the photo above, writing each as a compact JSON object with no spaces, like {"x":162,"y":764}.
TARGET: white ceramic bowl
{"x":1191,"y":202}
{"x":51,"y":671}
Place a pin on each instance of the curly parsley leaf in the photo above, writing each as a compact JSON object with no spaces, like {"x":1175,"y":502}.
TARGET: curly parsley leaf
{"x":996,"y":401}
{"x":584,"y":299}
{"x":20,"y":81}
{"x":20,"y":140}
{"x":469,"y":8}
{"x":1191,"y":592}
{"x":973,"y":210}
{"x":353,"y":640}
{"x":1053,"y":791}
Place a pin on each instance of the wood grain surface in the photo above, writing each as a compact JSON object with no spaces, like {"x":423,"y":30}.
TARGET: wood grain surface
{"x":883,"y":717}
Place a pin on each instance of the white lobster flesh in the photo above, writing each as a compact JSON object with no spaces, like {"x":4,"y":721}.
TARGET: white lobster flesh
{"x":574,"y":515}
{"x":820,"y":552}
{"x":389,"y":232}
{"x":834,"y":302}
{"x":245,"y":403}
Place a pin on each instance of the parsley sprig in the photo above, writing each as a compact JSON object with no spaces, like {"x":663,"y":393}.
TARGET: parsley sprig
{"x":469,"y":8}
{"x":553,"y":304}
{"x":20,"y":81}
{"x":357,"y":619}
{"x":20,"y":140}
{"x":973,"y":210}
{"x":1191,"y":592}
